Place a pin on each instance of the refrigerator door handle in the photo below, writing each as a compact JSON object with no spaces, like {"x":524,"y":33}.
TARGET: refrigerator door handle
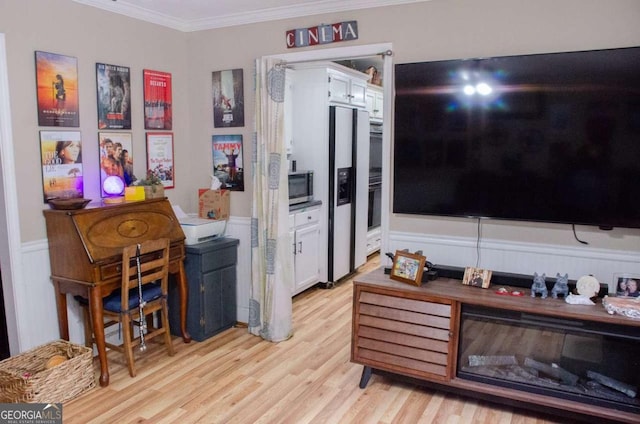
{"x":299,"y":247}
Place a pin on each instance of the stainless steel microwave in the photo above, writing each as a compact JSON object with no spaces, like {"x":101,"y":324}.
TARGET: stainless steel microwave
{"x":300,"y":187}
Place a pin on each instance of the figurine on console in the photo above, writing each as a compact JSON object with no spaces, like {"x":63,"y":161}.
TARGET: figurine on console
{"x":539,"y":285}
{"x":561,"y":286}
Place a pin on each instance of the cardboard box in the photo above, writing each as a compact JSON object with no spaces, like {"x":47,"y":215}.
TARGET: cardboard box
{"x":213,"y":204}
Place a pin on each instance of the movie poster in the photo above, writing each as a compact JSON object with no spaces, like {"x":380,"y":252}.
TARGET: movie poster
{"x":160,"y":157}
{"x":157,"y":100}
{"x":61,"y":153}
{"x":57,"y":90}
{"x":227,"y":161}
{"x":116,"y":157}
{"x":114,"y":96}
{"x":228,"y":98}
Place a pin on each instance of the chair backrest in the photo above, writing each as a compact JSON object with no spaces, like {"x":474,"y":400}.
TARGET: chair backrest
{"x":154,"y":266}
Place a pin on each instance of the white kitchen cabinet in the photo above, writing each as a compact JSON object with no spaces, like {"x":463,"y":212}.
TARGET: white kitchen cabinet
{"x":348,"y":88}
{"x":304,"y":230}
{"x":374,"y":100}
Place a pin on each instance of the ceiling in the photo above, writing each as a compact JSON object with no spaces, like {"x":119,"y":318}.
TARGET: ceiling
{"x":196,"y":15}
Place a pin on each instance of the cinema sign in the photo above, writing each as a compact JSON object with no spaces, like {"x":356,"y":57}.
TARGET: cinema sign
{"x":322,"y":34}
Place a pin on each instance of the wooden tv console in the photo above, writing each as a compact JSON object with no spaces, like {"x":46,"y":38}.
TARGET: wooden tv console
{"x":414,"y":331}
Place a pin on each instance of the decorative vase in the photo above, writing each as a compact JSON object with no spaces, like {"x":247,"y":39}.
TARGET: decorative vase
{"x":153,"y":191}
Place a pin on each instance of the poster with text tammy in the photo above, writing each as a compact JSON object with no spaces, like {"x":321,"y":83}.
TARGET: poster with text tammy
{"x":228,"y":165}
{"x":57,"y":90}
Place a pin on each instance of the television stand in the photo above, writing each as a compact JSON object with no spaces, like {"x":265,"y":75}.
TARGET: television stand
{"x":531,"y":351}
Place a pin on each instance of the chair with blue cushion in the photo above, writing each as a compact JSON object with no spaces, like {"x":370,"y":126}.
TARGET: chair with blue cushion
{"x":123,"y":305}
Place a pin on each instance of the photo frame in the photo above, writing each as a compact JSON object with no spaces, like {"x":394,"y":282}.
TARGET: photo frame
{"x":158,"y":112}
{"x":160,"y":157}
{"x":228,"y":165}
{"x":477,"y":277}
{"x":113,"y":97}
{"x":116,"y":158}
{"x":61,"y":157}
{"x":228,"y":98}
{"x":626,"y":285}
{"x":57,"y":90}
{"x":407,"y":267}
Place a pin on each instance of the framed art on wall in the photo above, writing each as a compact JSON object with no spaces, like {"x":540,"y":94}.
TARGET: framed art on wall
{"x":160,"y":157}
{"x":113,"y":84}
{"x":228,"y":98}
{"x":227,"y":161}
{"x":61,"y":157}
{"x":157,"y":100}
{"x":116,"y":157}
{"x":57,"y":90}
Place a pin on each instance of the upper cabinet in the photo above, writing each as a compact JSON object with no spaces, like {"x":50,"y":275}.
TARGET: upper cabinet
{"x":374,"y":100}
{"x":347,"y":86}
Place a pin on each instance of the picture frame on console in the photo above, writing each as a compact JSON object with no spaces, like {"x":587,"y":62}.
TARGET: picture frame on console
{"x":627,"y":285}
{"x":477,"y":277}
{"x":408,"y":267}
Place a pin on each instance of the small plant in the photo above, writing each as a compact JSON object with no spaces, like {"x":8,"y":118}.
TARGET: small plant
{"x":151,"y":179}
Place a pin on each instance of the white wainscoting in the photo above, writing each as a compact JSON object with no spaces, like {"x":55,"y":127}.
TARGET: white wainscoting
{"x":519,"y":257}
{"x":240,"y":228}
{"x":35,"y":298}
{"x":36,"y":302}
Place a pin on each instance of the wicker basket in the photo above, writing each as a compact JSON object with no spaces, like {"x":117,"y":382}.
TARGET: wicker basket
{"x":24,"y":378}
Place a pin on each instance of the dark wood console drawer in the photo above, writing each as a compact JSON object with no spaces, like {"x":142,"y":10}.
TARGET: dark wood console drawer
{"x":402,"y":335}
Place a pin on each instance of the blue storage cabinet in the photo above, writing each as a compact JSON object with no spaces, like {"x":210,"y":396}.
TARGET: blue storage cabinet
{"x":211,"y":273}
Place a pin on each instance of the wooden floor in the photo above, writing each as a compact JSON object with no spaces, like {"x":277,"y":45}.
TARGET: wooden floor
{"x":235,"y":377}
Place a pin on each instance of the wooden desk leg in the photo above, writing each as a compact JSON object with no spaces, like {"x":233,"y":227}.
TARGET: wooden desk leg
{"x":61,"y":304}
{"x":183,"y":288}
{"x":97,"y":321}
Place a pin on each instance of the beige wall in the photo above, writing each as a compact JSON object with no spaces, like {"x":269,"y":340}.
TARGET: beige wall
{"x":438,"y":29}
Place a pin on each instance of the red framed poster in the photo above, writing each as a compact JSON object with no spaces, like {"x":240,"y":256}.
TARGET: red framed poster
{"x":57,"y":90}
{"x":157,"y":100}
{"x":160,"y":157}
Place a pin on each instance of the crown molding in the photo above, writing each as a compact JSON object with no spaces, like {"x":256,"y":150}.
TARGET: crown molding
{"x":262,"y":15}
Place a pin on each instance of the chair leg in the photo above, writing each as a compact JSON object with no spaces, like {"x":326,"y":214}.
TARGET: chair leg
{"x":165,"y":325}
{"x":126,"y":341}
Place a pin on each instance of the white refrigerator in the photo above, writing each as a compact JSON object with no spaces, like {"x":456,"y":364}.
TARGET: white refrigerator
{"x":348,"y":190}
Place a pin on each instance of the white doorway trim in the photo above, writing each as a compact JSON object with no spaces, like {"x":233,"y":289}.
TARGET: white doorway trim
{"x":353,"y":52}
{"x":10,"y":244}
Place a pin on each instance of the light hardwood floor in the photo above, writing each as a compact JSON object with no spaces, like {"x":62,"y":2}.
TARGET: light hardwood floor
{"x":235,"y":377}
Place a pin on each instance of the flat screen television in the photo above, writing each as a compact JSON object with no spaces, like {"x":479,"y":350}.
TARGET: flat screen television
{"x":542,"y":137}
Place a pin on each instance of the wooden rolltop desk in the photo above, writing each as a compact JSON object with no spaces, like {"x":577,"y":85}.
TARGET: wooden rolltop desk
{"x":85,"y":249}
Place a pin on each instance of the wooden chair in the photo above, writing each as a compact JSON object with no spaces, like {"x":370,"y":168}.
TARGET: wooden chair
{"x":123,"y":306}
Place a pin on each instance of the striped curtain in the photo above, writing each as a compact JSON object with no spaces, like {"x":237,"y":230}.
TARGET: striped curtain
{"x":271,"y":257}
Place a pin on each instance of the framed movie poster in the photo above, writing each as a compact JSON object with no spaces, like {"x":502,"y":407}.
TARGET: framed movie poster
{"x":113,"y":83}
{"x":157,"y":100}
{"x":228,"y":99}
{"x":228,"y":165}
{"x":61,"y":156}
{"x":160,"y":157}
{"x":57,"y":90}
{"x":116,"y":157}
